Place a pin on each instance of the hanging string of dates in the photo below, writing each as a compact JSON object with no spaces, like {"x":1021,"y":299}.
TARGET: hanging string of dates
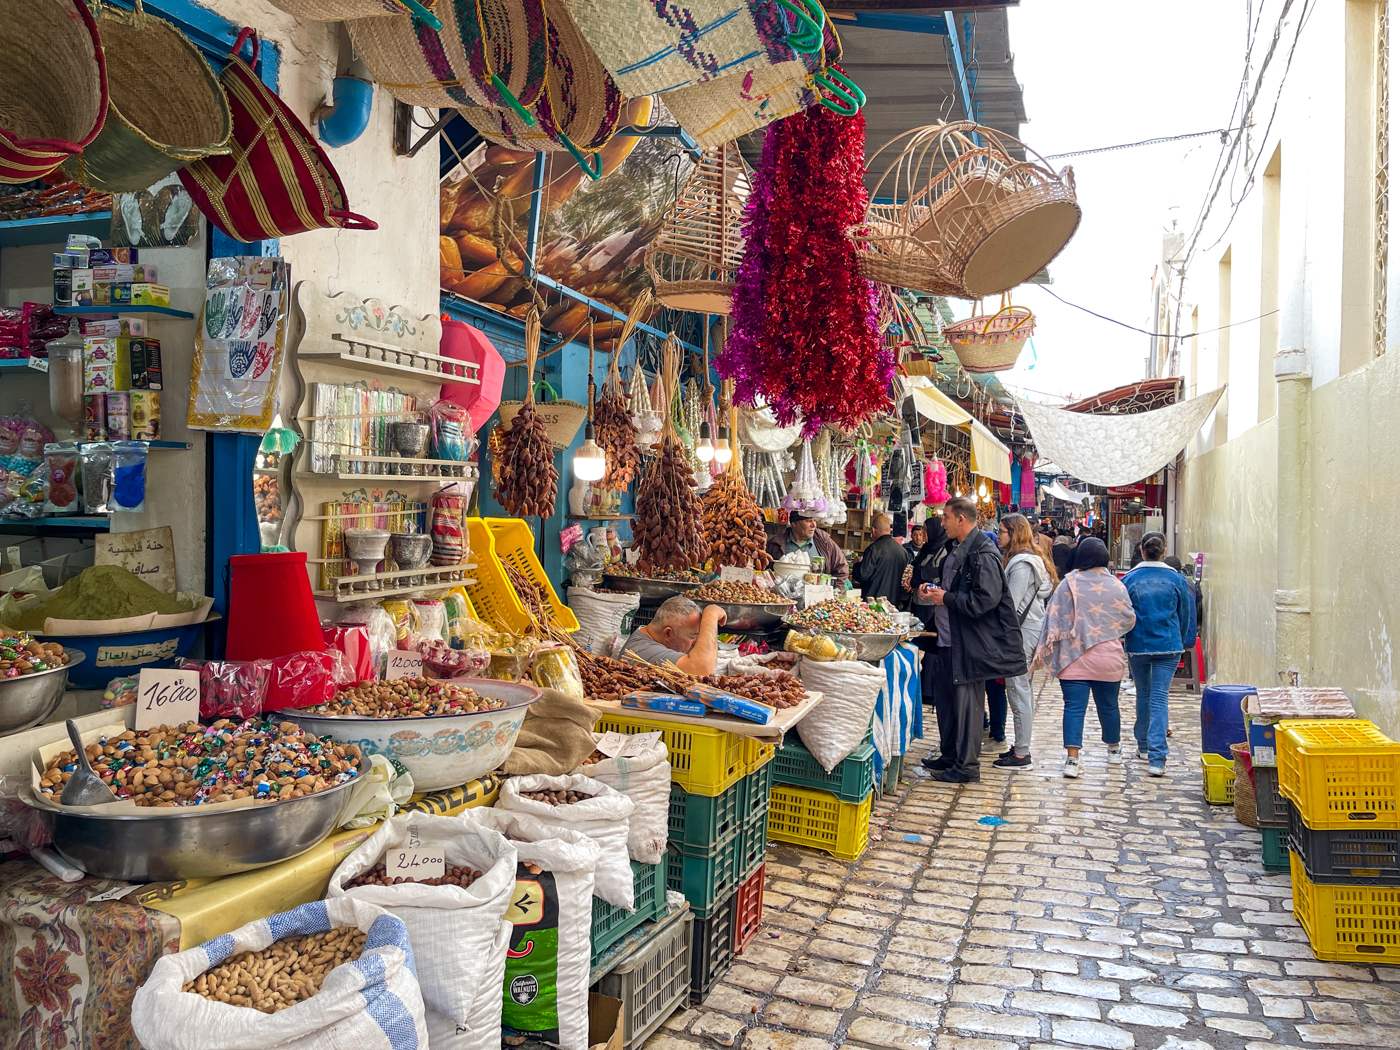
{"x":732,"y":517}
{"x":527,"y":481}
{"x":667,"y":525}
{"x":612,"y":416}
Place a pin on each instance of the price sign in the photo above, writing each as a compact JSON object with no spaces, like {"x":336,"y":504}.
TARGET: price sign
{"x":735,"y":574}
{"x":812,"y":593}
{"x":404,"y":663}
{"x":419,"y":863}
{"x":621,"y":745}
{"x":39,"y":364}
{"x":166,"y":698}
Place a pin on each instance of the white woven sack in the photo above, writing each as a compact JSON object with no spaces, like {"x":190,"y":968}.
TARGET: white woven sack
{"x":551,"y":947}
{"x":647,"y":48}
{"x":604,"y":818}
{"x":837,"y":725}
{"x":372,"y":1003}
{"x":459,"y":936}
{"x":646,"y":780}
{"x":599,"y":616}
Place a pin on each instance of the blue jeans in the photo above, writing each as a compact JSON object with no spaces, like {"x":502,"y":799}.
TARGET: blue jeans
{"x":1076,"y":694}
{"x":1152,"y":678}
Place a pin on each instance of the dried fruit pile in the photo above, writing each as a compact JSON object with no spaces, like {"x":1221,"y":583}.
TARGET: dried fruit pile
{"x":779,"y":691}
{"x":668,"y":525}
{"x":615,"y":434}
{"x":734,"y":522}
{"x":462,"y":877}
{"x":527,"y":481}
{"x":406,"y":698}
{"x":608,"y":679}
{"x":282,"y":974}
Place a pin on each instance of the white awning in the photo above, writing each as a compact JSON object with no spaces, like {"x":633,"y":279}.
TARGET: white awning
{"x":933,"y":404}
{"x":1060,"y":492}
{"x":990,"y":457}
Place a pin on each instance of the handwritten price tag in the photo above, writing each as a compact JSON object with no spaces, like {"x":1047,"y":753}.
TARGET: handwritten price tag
{"x":812,"y":593}
{"x":166,"y":698}
{"x":735,"y":574}
{"x":404,"y":663}
{"x":419,"y":864}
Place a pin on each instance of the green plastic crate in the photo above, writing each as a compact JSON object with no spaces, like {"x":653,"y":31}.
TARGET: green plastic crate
{"x":706,"y":876}
{"x":1275,"y":849}
{"x":754,"y":844}
{"x":851,"y":780}
{"x":611,"y":923}
{"x":712,"y":948}
{"x":757,"y":786}
{"x":700,"y":822}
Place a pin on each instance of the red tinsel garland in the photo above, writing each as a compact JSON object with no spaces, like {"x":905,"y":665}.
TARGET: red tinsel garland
{"x":804,"y":336}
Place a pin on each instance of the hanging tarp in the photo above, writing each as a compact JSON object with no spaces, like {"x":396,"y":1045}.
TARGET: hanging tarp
{"x":990,"y":458}
{"x":1115,"y":449}
{"x":1057,"y":490}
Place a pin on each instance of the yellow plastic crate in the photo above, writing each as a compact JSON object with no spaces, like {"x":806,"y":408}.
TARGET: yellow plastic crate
{"x":493,"y":598}
{"x":1347,"y":923}
{"x":515,"y":544}
{"x":704,"y":761}
{"x":1218,"y":779}
{"x":807,"y":817}
{"x":1339,"y":773}
{"x":758,"y":755}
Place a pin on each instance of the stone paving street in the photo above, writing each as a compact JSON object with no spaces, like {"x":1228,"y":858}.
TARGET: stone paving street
{"x":1117,"y":911}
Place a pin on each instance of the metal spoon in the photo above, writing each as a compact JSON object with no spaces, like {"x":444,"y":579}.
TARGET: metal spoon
{"x":84,"y":787}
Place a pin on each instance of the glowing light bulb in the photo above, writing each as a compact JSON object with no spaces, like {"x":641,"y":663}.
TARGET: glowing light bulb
{"x":723,"y":453}
{"x":704,"y":450}
{"x":590,"y":461}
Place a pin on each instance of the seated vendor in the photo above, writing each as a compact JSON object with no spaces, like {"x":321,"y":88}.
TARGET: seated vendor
{"x":682,"y":634}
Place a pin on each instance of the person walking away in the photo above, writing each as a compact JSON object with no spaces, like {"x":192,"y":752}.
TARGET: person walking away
{"x":1192,"y":585}
{"x":1063,"y":554}
{"x":1165,"y":627}
{"x":928,"y":568}
{"x":1082,"y":645}
{"x":978,"y":632}
{"x":1030,"y":575}
{"x":879,"y":571}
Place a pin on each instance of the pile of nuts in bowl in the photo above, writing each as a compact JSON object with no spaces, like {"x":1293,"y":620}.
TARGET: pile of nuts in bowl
{"x":21,"y":654}
{"x":405,"y":698}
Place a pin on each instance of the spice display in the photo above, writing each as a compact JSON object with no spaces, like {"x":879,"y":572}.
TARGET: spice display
{"x":779,"y":690}
{"x":734,"y":521}
{"x":462,"y":877}
{"x":843,"y":617}
{"x":406,"y":698}
{"x":527,"y":481}
{"x":667,"y":525}
{"x":736,"y":593}
{"x":556,"y":798}
{"x":283,"y":974}
{"x":101,"y":592}
{"x":191,"y":764}
{"x":21,"y":654}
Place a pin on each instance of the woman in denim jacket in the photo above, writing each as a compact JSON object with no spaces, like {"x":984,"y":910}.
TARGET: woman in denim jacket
{"x":1166,"y":626}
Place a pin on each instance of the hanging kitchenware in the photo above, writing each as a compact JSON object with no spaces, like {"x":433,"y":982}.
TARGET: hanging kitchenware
{"x":165,"y":106}
{"x":343,"y":10}
{"x":759,"y":429}
{"x":991,"y":342}
{"x":277,"y":182}
{"x":650,"y":47}
{"x":695,"y":255}
{"x":53,"y":86}
{"x":967,"y":218}
{"x":487,"y":53}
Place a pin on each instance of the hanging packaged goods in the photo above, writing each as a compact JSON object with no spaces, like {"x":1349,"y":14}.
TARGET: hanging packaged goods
{"x":668,"y":523}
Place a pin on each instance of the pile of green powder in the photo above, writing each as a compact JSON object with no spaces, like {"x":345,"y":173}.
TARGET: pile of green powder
{"x":102,"y":592}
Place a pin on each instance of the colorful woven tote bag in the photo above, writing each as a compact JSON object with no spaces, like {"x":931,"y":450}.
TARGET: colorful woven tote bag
{"x":277,"y":181}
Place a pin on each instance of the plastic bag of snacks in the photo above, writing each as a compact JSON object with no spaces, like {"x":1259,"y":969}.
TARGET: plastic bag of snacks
{"x":401,"y":615}
{"x":453,"y":435}
{"x":439,"y":661}
{"x":431,"y":615}
{"x":643,"y":774}
{"x":369,"y":1002}
{"x":551,"y":943}
{"x":230,"y":688}
{"x":351,"y":639}
{"x":120,"y":692}
{"x":457,"y":927}
{"x":382,"y":633}
{"x":305,"y":678}
{"x":557,"y":668}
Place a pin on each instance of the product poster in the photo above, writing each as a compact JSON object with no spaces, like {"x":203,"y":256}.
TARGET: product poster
{"x":532,"y":985}
{"x":238,"y":345}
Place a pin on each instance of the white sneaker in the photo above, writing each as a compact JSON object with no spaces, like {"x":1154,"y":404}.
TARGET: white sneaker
{"x":1072,"y":768}
{"x":1156,"y":769}
{"x":1115,"y":754}
{"x":1142,"y":755}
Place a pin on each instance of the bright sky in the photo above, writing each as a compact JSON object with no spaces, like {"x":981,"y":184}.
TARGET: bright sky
{"x":1098,"y":73}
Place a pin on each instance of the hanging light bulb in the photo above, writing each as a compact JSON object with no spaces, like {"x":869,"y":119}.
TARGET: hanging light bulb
{"x":723,"y":453}
{"x":590,"y":461}
{"x":704,"y":451}
{"x":982,"y":490}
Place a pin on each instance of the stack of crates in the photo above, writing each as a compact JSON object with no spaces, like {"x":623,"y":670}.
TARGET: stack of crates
{"x":1271,"y":809}
{"x":1340,"y":780}
{"x":827,"y":811}
{"x":611,"y":923}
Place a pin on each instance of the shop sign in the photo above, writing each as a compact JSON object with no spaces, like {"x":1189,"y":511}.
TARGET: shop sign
{"x":148,"y":554}
{"x":136,"y":655}
{"x":166,"y":698}
{"x":1127,"y":491}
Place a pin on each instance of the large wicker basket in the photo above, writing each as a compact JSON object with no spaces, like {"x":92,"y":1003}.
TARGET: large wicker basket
{"x":696,"y":254}
{"x":991,"y":342}
{"x":969,"y":219}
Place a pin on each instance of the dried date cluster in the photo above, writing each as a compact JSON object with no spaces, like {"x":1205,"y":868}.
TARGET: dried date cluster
{"x":667,"y":523}
{"x":526,"y":479}
{"x":612,"y":423}
{"x":556,"y":798}
{"x":779,"y":690}
{"x":282,"y":974}
{"x":608,"y":679}
{"x":462,"y":877}
{"x":734,"y":523}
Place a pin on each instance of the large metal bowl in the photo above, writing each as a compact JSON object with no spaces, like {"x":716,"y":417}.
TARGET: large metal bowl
{"x":441,"y":751}
{"x":653,"y":592}
{"x":28,"y":699}
{"x":745,"y":616}
{"x":872,"y":647}
{"x":195,"y":842}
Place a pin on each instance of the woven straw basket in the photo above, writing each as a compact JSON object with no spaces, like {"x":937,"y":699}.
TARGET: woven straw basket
{"x":561,"y":418}
{"x":341,"y":10}
{"x":166,"y":108}
{"x":53,"y":86}
{"x":693,"y":260}
{"x":1245,"y":810}
{"x":453,"y":66}
{"x":973,"y":220}
{"x":991,"y":343}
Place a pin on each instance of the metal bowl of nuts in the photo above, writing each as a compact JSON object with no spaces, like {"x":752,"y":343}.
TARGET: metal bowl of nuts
{"x":652,"y":592}
{"x":29,"y":697}
{"x":444,"y":737}
{"x":751,"y":616}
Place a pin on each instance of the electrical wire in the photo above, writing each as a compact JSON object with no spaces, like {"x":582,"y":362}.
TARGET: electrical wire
{"x":1144,"y":331}
{"x":1222,"y":132}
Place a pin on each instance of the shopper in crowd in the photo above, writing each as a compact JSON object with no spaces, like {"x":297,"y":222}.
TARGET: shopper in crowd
{"x":928,"y":568}
{"x":681,"y":633}
{"x":1046,"y":544}
{"x":1030,"y":575}
{"x":803,"y":535}
{"x":1063,"y":554}
{"x":978,"y":632}
{"x":1166,"y":626}
{"x":1082,"y":645}
{"x":879,"y":569}
{"x":1192,"y":585}
{"x":917,"y":535}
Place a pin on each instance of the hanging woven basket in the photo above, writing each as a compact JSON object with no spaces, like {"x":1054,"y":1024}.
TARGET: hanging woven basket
{"x":341,"y":10}
{"x":972,"y":219}
{"x":696,"y":254}
{"x":991,"y":342}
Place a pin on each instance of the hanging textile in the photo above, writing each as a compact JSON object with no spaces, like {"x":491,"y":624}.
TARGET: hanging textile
{"x":1028,"y":499}
{"x":1015,"y":498}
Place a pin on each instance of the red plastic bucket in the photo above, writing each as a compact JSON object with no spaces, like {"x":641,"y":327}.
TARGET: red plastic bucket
{"x":270,"y":608}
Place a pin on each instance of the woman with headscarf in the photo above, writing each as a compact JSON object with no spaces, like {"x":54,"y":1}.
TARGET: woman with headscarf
{"x":1082,"y":645}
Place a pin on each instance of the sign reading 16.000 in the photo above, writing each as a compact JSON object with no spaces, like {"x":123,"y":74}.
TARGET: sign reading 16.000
{"x":166,"y":697}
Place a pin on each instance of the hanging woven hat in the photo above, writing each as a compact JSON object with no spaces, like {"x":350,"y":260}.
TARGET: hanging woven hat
{"x":580,"y":103}
{"x":53,"y":86}
{"x":342,"y":10}
{"x":165,"y":106}
{"x":487,"y":53}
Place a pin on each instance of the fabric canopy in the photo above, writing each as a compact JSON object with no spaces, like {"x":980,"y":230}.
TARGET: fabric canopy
{"x":933,"y":404}
{"x":1058,"y":491}
{"x":990,"y":457}
{"x":1115,"y":449}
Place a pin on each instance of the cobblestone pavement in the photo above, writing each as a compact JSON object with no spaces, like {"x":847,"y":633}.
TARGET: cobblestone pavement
{"x":1116,"y":911}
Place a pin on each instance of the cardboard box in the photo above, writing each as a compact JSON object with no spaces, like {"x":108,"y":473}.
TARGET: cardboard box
{"x":109,"y":355}
{"x":116,"y":294}
{"x":604,"y":1022}
{"x":112,"y":256}
{"x":118,"y":416}
{"x":147,"y":294}
{"x":113,"y":327}
{"x":97,"y":379}
{"x":82,"y":286}
{"x":1267,"y":707}
{"x":145,"y":364}
{"x":94,"y":417}
{"x":125,"y":274}
{"x":145,"y":415}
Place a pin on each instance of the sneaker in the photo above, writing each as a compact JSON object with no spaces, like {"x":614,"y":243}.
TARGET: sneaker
{"x":1072,"y":768}
{"x":1157,"y":769}
{"x":1006,"y":754}
{"x":937,"y":765}
{"x":1142,"y":755}
{"x":1011,"y":760}
{"x":1115,"y":754}
{"x":949,"y":777}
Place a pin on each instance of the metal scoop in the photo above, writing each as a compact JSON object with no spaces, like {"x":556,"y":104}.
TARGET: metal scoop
{"x":84,"y":787}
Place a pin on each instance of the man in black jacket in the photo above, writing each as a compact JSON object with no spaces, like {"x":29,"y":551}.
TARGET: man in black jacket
{"x":978,"y":636}
{"x":879,"y":571}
